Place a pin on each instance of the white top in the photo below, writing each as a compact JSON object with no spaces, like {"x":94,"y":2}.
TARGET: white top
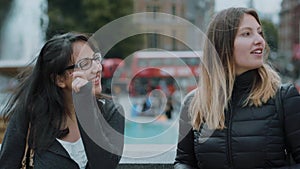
{"x":76,"y":151}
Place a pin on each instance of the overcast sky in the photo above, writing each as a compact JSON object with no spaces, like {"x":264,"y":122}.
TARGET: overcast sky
{"x":264,"y":6}
{"x":267,"y":6}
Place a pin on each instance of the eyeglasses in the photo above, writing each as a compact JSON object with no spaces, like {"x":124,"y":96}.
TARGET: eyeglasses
{"x":86,"y":63}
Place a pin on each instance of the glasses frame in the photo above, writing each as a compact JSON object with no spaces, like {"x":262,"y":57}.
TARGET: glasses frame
{"x":96,"y":57}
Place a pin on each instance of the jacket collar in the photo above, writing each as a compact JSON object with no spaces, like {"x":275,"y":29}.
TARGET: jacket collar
{"x":57,"y":148}
{"x":242,"y":86}
{"x":245,"y":80}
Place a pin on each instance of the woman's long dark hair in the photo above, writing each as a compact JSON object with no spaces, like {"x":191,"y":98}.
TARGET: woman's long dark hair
{"x":39,"y":97}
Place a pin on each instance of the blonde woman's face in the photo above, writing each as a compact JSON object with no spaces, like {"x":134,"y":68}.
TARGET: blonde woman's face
{"x":249,"y":45}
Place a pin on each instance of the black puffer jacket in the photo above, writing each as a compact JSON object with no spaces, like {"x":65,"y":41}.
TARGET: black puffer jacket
{"x":254,"y":137}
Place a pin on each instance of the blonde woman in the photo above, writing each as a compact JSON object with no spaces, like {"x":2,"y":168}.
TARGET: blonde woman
{"x":230,"y":120}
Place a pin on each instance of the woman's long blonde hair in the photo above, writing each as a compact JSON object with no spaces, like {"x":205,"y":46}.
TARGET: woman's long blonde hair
{"x":217,"y":73}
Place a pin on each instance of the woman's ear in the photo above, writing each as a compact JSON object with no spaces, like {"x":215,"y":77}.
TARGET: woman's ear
{"x":60,"y":81}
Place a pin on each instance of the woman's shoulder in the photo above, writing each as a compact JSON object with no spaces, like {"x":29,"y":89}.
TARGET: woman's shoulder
{"x":288,"y":90}
{"x":108,"y":102}
{"x":110,"y":107}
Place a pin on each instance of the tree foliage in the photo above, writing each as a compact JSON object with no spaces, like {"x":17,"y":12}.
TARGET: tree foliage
{"x":88,"y":16}
{"x":271,"y":34}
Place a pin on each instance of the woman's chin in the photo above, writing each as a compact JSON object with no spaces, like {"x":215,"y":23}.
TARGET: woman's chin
{"x":97,"y":89}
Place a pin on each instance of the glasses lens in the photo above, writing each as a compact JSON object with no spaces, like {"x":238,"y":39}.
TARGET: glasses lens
{"x":85,"y":64}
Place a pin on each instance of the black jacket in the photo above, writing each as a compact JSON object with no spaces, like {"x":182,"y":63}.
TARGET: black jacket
{"x":253,"y":138}
{"x":13,"y":145}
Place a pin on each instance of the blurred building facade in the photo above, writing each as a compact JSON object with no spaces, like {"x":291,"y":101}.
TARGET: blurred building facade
{"x":197,"y":12}
{"x":289,"y":40}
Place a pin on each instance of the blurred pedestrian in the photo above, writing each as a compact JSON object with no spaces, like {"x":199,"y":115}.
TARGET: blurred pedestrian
{"x":169,"y":108}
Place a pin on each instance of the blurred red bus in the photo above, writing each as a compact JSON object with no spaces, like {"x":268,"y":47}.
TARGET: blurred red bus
{"x":165,"y":70}
{"x":109,"y":67}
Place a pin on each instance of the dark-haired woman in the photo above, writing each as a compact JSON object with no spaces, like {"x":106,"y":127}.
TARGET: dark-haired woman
{"x":48,"y":111}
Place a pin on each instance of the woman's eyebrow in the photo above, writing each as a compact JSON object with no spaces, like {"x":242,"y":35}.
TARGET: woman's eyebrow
{"x":248,"y":28}
{"x":244,"y":28}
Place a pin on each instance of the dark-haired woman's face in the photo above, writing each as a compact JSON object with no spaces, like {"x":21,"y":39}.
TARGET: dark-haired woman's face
{"x":90,"y":69}
{"x":249,"y":45}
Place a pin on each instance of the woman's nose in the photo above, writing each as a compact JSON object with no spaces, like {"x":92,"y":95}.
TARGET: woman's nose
{"x":100,"y":66}
{"x":259,"y":39}
{"x":97,"y":66}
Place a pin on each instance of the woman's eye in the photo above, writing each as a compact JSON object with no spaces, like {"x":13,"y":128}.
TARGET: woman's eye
{"x":84,"y":63}
{"x":246,"y":34}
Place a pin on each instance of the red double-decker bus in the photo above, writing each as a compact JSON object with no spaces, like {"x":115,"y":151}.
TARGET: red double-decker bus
{"x":109,"y":67}
{"x":165,"y":70}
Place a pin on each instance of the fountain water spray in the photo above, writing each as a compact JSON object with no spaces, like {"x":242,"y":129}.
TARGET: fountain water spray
{"x":23,"y":32}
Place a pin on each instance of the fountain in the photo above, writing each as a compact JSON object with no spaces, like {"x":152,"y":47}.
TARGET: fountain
{"x":23,"y":32}
{"x":22,"y":35}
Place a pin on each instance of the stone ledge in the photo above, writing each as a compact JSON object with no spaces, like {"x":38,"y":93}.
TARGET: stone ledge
{"x":148,"y":156}
{"x":145,"y":166}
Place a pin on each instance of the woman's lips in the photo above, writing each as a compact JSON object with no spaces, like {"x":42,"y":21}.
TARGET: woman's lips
{"x":97,"y":80}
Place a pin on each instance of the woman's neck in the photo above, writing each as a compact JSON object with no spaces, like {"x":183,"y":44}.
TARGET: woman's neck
{"x":71,"y":122}
{"x":72,"y":125}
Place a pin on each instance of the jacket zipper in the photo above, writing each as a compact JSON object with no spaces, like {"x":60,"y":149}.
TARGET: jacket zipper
{"x":229,"y":123}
